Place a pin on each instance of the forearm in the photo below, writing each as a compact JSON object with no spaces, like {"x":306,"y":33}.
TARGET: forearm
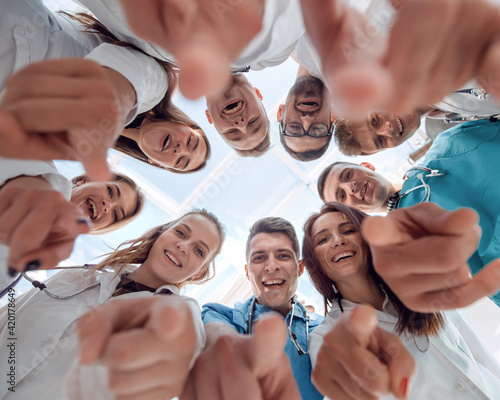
{"x":27,"y":182}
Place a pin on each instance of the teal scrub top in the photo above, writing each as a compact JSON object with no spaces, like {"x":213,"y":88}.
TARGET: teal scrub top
{"x":468,"y":156}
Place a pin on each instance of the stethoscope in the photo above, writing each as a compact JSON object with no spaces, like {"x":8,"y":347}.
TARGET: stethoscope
{"x":431,"y":173}
{"x":43,"y":288}
{"x":479,"y":94}
{"x":293,"y":337}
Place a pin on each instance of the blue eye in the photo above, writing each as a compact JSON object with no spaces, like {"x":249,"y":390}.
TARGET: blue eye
{"x":199,"y":251}
{"x":180,"y":233}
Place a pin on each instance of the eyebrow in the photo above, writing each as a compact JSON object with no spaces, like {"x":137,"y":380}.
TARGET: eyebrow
{"x":118,"y":192}
{"x":326,"y":229}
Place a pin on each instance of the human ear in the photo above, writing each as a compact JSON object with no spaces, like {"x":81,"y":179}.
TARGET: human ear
{"x":154,"y":163}
{"x":280,"y":112}
{"x":301,"y":267}
{"x":209,"y":117}
{"x":246,"y":271}
{"x":368,"y":165}
{"x":82,"y":181}
{"x":258,"y":93}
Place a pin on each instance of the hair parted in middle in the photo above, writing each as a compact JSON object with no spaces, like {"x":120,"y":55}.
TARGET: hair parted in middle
{"x":409,"y":322}
{"x":273,"y":225}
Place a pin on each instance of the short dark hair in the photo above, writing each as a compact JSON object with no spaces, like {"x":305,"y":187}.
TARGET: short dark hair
{"x":274,"y":225}
{"x":324,"y":175}
{"x":345,"y":139}
{"x":309,"y":155}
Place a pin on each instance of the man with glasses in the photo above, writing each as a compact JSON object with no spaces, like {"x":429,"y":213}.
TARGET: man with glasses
{"x":243,"y":346}
{"x":306,"y":118}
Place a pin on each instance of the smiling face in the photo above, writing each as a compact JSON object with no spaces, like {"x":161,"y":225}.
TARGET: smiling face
{"x":105,"y":203}
{"x":339,"y":247}
{"x":171,"y":144}
{"x":358,"y":187}
{"x":381,"y":131}
{"x":238,"y":115}
{"x":273,"y":270}
{"x":181,"y":252}
{"x":308,"y":102}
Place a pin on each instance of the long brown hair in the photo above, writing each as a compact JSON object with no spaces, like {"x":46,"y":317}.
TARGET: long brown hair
{"x":409,"y":322}
{"x":137,"y":251}
{"x":139,"y":204}
{"x":165,"y":110}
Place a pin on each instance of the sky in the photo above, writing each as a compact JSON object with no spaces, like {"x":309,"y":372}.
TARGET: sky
{"x":239,"y":191}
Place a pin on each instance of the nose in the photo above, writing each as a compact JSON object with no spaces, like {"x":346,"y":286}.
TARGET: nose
{"x":182,"y":247}
{"x":179,"y":148}
{"x":239,"y":121}
{"x":271,"y":265}
{"x":106,"y":206}
{"x":386,"y":130}
{"x":338,"y":240}
{"x":306,"y":120}
{"x":350,"y":186}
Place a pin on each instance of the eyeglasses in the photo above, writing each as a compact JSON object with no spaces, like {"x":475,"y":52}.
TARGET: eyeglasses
{"x":317,"y":130}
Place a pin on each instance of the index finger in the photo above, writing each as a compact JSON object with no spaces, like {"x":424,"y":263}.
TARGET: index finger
{"x":405,"y":224}
{"x":484,"y":283}
{"x":95,"y":326}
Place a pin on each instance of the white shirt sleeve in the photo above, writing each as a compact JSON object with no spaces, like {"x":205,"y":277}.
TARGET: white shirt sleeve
{"x":144,"y":73}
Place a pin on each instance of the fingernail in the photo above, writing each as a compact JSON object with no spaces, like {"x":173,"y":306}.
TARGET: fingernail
{"x":404,"y":386}
{"x":12,"y":272}
{"x":33,"y":265}
{"x":83,"y":221}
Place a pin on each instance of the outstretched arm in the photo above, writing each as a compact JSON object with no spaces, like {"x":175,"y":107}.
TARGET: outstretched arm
{"x":147,"y":345}
{"x":358,"y":360}
{"x":38,"y":223}
{"x":421,"y":252}
{"x":243,"y":367}
{"x":430,"y":52}
{"x":69,"y":109}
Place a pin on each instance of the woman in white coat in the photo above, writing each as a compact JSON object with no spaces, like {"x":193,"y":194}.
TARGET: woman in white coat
{"x":44,"y":343}
{"x":139,"y":85}
{"x":452,"y":361}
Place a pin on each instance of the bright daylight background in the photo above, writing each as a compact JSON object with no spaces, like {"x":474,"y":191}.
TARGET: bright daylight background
{"x":240,"y":191}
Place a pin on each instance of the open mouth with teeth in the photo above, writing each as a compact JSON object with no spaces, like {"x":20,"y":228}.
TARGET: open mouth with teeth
{"x":363,"y":190}
{"x":165,"y":142}
{"x":233,"y":108}
{"x":342,"y":256}
{"x":274,"y":283}
{"x":91,"y":208}
{"x":172,"y":258}
{"x":401,"y":127}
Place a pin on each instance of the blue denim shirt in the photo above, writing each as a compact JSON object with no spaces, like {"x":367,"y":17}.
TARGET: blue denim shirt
{"x":237,"y":317}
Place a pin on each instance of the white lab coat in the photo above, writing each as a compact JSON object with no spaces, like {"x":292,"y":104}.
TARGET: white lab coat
{"x":11,"y":168}
{"x":45,"y":341}
{"x":29,"y":32}
{"x":457,"y":366}
{"x":282,"y":25}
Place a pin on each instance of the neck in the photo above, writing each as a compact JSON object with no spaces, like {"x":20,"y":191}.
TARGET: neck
{"x":362,"y":290}
{"x":282,"y":309}
{"x":424,"y":112}
{"x":133,"y":134}
{"x":142,"y":276}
